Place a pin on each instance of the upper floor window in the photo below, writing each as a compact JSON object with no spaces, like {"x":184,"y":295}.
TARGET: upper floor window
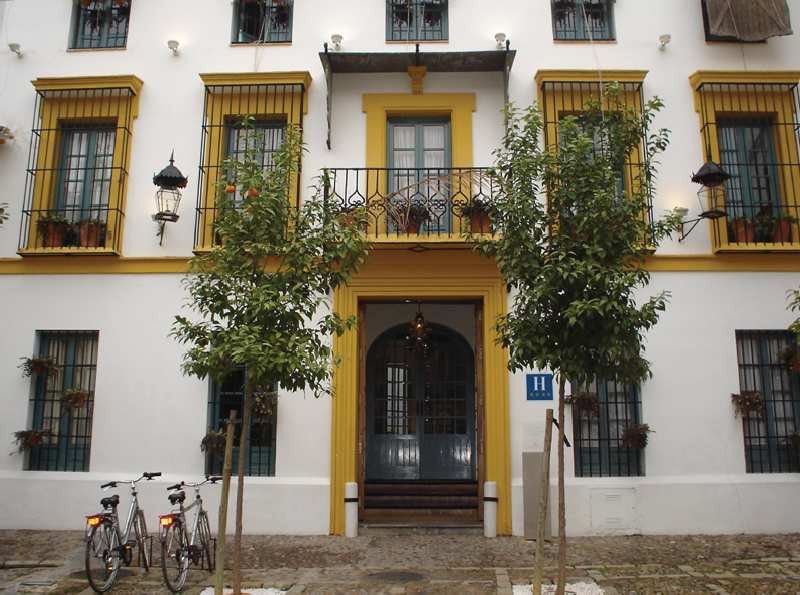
{"x":772,"y":435}
{"x":62,"y":399}
{"x":416,"y":20}
{"x":601,"y":412}
{"x":78,"y":160}
{"x":583,"y":20}
{"x":260,"y":452}
{"x":100,"y":24}
{"x":745,"y":20}
{"x":268,"y":21}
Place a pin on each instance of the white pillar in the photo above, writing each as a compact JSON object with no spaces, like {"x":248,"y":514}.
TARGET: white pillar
{"x":351,"y":509}
{"x":490,"y":509}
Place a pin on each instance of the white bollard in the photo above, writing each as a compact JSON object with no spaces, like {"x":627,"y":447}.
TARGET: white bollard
{"x":490,"y":509}
{"x":351,"y":509}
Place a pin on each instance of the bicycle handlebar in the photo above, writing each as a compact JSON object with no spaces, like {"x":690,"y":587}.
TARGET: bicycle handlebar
{"x":148,"y":475}
{"x":176,"y":486}
{"x":110,"y":484}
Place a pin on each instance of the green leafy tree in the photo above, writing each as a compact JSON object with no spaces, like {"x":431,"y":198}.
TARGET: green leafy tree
{"x":571,"y":247}
{"x":259,"y":299}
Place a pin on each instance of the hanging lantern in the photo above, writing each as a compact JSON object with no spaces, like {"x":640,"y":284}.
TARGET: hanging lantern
{"x":419,"y":332}
{"x":169,"y":180}
{"x":711,"y":196}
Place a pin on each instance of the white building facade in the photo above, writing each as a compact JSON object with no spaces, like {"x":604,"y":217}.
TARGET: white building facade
{"x":96,"y":103}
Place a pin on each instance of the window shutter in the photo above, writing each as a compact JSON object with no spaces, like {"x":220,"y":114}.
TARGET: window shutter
{"x":749,"y":20}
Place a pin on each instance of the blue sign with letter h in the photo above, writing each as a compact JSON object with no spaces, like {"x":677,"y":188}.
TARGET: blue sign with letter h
{"x":540,"y":387}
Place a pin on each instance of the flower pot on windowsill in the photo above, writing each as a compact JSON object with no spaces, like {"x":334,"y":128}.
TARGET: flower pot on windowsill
{"x":479,"y":220}
{"x":91,"y":233}
{"x":417,"y":216}
{"x":53,"y":228}
{"x":782,"y":229}
{"x":743,"y":231}
{"x":29,"y":439}
{"x":748,"y":402}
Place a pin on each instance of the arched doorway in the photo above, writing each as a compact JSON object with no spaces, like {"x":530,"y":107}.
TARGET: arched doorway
{"x":420,"y":409}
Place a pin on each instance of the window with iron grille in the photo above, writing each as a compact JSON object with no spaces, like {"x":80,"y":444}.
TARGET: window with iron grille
{"x":63,"y":401}
{"x":771,"y":438}
{"x":583,"y":20}
{"x":416,"y":20}
{"x":100,"y":24}
{"x":260,"y":141}
{"x":599,"y":451}
{"x":268,"y":21}
{"x":260,"y":451}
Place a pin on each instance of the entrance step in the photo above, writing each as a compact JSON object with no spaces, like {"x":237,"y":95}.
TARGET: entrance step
{"x":422,"y":497}
{"x":369,"y":529}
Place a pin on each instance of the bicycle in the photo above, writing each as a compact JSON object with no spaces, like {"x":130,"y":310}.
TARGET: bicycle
{"x":107,"y":545}
{"x":179,"y":546}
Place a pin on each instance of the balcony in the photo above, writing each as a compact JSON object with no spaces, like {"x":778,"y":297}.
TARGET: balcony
{"x":415,"y":205}
{"x":756,"y":227}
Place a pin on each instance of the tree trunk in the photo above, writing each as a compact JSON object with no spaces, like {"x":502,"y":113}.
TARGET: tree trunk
{"x":538,"y":569}
{"x":562,"y":505}
{"x":222,"y":521}
{"x":237,"y":547}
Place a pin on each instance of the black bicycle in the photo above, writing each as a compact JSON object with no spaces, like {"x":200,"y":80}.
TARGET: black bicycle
{"x":107,"y":546}
{"x":180,"y":544}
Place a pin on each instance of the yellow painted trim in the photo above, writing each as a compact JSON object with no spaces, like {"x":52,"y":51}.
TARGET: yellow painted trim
{"x":725,"y":263}
{"x":92,"y":265}
{"x":450,"y":275}
{"x":744,"y":76}
{"x":771,"y":101}
{"x":299,"y":77}
{"x":68,"y":83}
{"x":589,"y":76}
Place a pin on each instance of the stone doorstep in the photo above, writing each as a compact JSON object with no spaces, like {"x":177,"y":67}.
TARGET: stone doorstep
{"x":31,"y":563}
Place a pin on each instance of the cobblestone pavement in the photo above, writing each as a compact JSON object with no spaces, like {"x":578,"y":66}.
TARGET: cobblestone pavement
{"x":36,"y":561}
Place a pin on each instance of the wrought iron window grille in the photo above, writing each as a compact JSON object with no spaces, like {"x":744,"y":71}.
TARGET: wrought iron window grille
{"x":416,"y":20}
{"x":265,"y":21}
{"x":583,"y":20}
{"x":100,"y":24}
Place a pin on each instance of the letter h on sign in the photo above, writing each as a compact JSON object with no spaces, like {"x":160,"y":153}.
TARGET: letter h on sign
{"x":540,"y":387}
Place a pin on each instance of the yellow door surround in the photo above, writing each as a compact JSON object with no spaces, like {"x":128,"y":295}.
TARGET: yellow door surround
{"x":439,"y":274}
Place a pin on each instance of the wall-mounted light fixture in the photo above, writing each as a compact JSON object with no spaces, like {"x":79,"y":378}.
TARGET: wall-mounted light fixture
{"x":336,"y":40}
{"x":168,"y":196}
{"x":16,"y":48}
{"x":173,"y":45}
{"x":500,"y":38}
{"x":663,"y":41}
{"x":711,"y":196}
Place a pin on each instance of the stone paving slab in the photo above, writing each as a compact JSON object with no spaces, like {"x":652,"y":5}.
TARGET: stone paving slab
{"x":440,"y":564}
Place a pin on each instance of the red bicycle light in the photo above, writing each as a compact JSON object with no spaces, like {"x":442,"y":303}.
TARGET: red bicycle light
{"x":93,"y":521}
{"x":166,"y":520}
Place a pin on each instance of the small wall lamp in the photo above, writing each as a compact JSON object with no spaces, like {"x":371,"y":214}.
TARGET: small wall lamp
{"x":500,"y":38}
{"x":336,"y":40}
{"x":16,"y":48}
{"x":173,"y":45}
{"x":663,"y":41}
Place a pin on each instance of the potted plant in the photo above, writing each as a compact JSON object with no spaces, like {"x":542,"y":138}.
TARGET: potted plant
{"x":748,"y":402}
{"x":351,"y":215}
{"x":635,"y":436}
{"x":74,"y":398}
{"x":5,"y":135}
{"x":791,"y":357}
{"x":782,"y":228}
{"x":40,"y":366}
{"x":213,"y":442}
{"x":417,"y":215}
{"x":264,"y":404}
{"x":91,"y":233}
{"x":28,"y":439}
{"x":53,"y":227}
{"x":478,"y":213}
{"x":743,"y":230}
{"x":584,"y":402}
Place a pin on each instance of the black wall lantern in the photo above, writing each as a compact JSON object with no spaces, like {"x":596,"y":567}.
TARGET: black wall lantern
{"x":711,"y":195}
{"x":169,"y":180}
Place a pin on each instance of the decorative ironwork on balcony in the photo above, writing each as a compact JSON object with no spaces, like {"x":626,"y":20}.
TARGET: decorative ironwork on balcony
{"x":416,"y":20}
{"x":77,"y":171}
{"x":752,"y":130}
{"x":415,"y":204}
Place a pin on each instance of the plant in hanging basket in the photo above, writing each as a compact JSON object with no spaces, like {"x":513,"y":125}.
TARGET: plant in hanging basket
{"x":584,"y":402}
{"x":213,"y":442}
{"x":41,"y":366}
{"x":748,"y":402}
{"x":791,"y":357}
{"x":264,"y":404}
{"x":28,"y":439}
{"x":635,"y":436}
{"x":74,"y":398}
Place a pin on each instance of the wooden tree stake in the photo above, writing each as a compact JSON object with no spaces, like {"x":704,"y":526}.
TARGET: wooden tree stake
{"x":222,"y":521}
{"x":538,"y":570}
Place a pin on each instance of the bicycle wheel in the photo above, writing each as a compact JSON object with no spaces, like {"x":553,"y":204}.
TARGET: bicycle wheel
{"x":204,"y":530}
{"x":141,"y":540}
{"x":174,"y":557}
{"x":102,"y":557}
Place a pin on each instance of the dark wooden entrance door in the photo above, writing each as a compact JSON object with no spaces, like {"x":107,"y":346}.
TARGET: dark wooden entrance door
{"x":420,"y":418}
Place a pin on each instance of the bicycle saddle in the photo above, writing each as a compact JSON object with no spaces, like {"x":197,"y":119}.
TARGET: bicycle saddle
{"x":177,"y":497}
{"x":110,"y":502}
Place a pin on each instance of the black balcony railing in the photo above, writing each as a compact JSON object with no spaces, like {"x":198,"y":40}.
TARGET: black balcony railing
{"x":752,"y":131}
{"x":432,"y":203}
{"x":416,"y":20}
